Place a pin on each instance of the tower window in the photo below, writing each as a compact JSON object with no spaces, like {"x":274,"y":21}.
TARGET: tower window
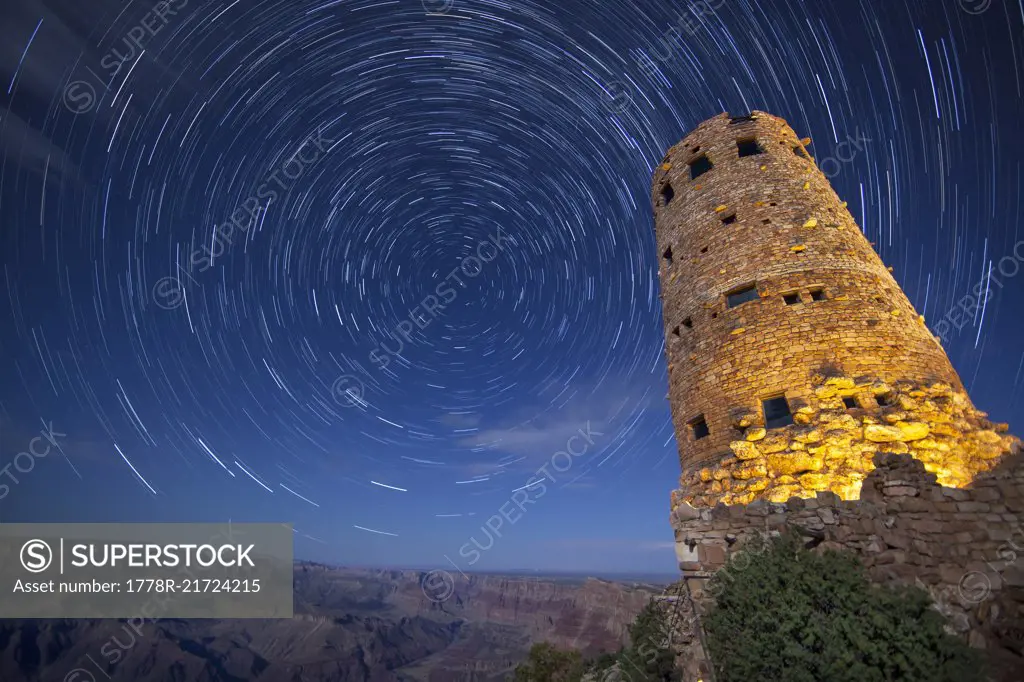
{"x":667,"y":193}
{"x":675,"y":332}
{"x":766,"y":221}
{"x":884,"y":399}
{"x":776,"y":412}
{"x":699,"y":428}
{"x":818,"y":295}
{"x":699,"y":166}
{"x":850,"y":402}
{"x":749,"y":118}
{"x":742,"y":295}
{"x":749,"y":147}
{"x":791,"y":299}
{"x":688,"y":323}
{"x":704,"y":250}
{"x":667,"y":254}
{"x":729,"y":219}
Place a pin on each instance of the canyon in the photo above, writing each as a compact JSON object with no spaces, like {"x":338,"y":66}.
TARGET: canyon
{"x":350,"y":625}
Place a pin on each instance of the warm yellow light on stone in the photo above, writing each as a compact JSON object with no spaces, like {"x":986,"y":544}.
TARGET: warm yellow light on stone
{"x":830,"y":332}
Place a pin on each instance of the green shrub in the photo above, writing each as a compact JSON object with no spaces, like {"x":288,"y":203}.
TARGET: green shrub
{"x":548,"y":664}
{"x":786,"y":614}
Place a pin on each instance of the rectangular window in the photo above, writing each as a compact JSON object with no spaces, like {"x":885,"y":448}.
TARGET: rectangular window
{"x":667,"y":255}
{"x":850,"y":402}
{"x":688,"y":323}
{"x":667,"y":193}
{"x":791,"y":299}
{"x":818,"y":295}
{"x":749,"y":118}
{"x":729,"y":219}
{"x":776,"y":412}
{"x":749,"y":147}
{"x":699,"y":427}
{"x":699,"y":166}
{"x":742,"y":295}
{"x":884,"y":399}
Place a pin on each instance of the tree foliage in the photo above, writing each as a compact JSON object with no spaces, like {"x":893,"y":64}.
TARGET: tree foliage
{"x":791,"y":615}
{"x":548,"y":664}
{"x":648,"y":658}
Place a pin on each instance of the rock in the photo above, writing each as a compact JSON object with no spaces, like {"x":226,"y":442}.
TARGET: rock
{"x":685,"y":512}
{"x":990,"y":437}
{"x":753,"y":469}
{"x":756,"y":433}
{"x":773,"y":443}
{"x":794,"y":463}
{"x":878,"y":433}
{"x":744,"y":450}
{"x":841,"y":383}
{"x":913,"y":430}
{"x":808,"y":436}
{"x":815,"y":481}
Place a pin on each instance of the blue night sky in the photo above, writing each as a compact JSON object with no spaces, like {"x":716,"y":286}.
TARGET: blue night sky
{"x":442,"y":266}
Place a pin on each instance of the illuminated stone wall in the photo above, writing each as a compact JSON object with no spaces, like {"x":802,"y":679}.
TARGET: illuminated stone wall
{"x":825,"y":322}
{"x":965,"y":546}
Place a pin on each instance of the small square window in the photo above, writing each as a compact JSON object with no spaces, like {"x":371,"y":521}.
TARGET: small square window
{"x":742,"y":295}
{"x":729,"y":219}
{"x":667,"y":193}
{"x":667,"y":254}
{"x":884,"y":399}
{"x":688,"y":323}
{"x":704,"y":250}
{"x":776,"y":412}
{"x":699,"y":428}
{"x":818,"y":295}
{"x":749,"y":118}
{"x":675,"y":332}
{"x":766,"y":221}
{"x":850,"y":402}
{"x":791,"y":299}
{"x":699,"y":166}
{"x":749,"y":147}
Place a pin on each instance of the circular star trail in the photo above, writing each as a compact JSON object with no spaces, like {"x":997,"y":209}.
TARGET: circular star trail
{"x":367,"y":266}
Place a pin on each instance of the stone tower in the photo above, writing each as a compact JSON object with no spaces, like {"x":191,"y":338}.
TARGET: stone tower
{"x":793,"y":355}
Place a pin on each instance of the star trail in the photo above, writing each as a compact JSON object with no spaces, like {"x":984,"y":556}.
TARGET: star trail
{"x":367,"y":266}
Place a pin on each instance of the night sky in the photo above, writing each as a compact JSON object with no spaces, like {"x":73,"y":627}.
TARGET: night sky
{"x":442,"y":264}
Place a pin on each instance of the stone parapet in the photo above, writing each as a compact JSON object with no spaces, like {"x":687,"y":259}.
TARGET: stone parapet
{"x":965,"y":546}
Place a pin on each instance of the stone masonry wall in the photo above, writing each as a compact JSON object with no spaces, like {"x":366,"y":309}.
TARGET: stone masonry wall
{"x":832,"y":444}
{"x":825,"y":305}
{"x":965,"y":546}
